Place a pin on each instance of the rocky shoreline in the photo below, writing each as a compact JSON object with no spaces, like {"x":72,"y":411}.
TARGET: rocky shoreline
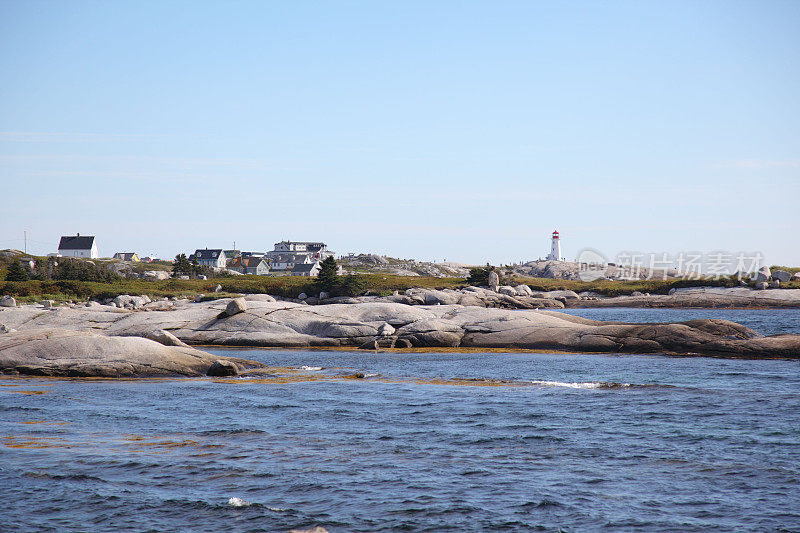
{"x":45,"y":335}
{"x":699,"y":297}
{"x":522,"y":297}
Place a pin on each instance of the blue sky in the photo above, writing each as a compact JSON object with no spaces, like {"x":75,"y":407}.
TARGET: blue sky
{"x":463,"y":131}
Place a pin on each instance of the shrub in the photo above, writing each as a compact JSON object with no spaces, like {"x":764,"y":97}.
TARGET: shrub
{"x":479,"y":275}
{"x":16,"y":272}
{"x":350,"y":285}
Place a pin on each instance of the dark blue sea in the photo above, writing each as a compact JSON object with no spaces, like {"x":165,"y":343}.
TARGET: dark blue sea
{"x":765,"y":321}
{"x":359,"y":441}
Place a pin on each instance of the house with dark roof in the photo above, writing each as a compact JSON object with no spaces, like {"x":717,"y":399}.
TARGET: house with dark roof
{"x":287,"y":254}
{"x":285,"y":261}
{"x":78,"y":246}
{"x":211,"y":257}
{"x":250,"y":265}
{"x":306,"y":269}
{"x":127,"y":256}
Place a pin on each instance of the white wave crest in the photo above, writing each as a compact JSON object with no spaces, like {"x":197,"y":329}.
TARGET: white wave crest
{"x":582,"y":385}
{"x":309,"y":368}
{"x":238,"y":502}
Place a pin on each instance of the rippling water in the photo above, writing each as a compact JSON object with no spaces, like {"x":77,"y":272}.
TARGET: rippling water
{"x":434,"y":441}
{"x":766,"y":321}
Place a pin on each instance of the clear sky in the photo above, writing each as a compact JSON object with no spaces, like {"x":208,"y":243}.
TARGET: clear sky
{"x":464,"y":131}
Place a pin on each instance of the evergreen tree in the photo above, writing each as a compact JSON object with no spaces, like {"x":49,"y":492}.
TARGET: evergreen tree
{"x":16,"y":272}
{"x":351,"y":285}
{"x":196,"y":268}
{"x":181,"y":266}
{"x":328,"y":277}
{"x":479,"y":276}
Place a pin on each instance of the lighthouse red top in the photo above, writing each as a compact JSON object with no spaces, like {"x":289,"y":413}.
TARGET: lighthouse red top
{"x":555,"y":234}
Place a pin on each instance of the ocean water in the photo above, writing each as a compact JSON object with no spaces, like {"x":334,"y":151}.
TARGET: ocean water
{"x":766,"y":321}
{"x":421,"y":442}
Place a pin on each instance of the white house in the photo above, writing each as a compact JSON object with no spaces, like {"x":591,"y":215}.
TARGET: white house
{"x":78,"y":246}
{"x":214,"y":258}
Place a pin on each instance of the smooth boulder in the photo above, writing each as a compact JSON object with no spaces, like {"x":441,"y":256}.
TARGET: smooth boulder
{"x":156,"y":275}
{"x":763,"y":274}
{"x":222,"y":368}
{"x":8,"y":301}
{"x":236,"y":306}
{"x":57,"y":352}
{"x":781,"y":275}
{"x":259,"y":298}
{"x":494,"y":281}
{"x":165,"y":337}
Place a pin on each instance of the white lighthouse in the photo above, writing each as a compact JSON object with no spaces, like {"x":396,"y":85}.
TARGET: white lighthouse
{"x":555,"y":248}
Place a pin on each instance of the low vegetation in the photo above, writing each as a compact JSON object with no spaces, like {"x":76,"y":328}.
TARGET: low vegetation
{"x":73,"y":279}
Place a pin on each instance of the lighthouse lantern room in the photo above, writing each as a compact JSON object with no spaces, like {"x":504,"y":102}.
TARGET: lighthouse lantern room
{"x":555,"y":248}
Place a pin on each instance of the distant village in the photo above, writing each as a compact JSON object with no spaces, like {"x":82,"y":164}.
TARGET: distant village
{"x":288,"y":258}
{"x":304,"y":258}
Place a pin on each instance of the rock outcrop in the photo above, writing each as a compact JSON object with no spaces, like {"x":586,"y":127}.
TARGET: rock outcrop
{"x":402,"y":267}
{"x":470,"y":296}
{"x":703,"y":297}
{"x":58,"y":352}
{"x":290,"y":324}
{"x":574,"y":271}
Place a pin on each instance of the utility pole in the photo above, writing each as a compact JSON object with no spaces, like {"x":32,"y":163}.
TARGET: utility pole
{"x":26,"y":241}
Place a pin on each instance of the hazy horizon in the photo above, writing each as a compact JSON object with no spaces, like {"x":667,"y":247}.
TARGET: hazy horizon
{"x":465,"y":132}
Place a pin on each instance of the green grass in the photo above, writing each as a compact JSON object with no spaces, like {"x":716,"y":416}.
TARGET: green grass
{"x":619,"y":288}
{"x":291,"y":286}
{"x":286,"y":286}
{"x":790,"y":270}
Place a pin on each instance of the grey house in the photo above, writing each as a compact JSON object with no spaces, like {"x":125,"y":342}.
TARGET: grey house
{"x":211,"y":257}
{"x":250,"y":265}
{"x":306,"y":269}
